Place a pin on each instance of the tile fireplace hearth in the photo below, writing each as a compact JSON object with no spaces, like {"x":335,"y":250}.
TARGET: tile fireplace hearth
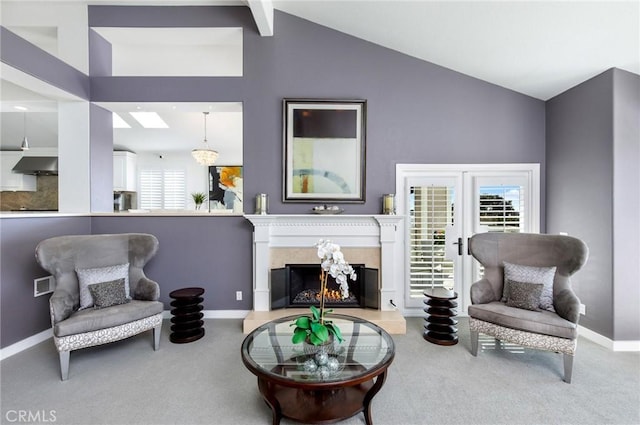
{"x":375,"y":241}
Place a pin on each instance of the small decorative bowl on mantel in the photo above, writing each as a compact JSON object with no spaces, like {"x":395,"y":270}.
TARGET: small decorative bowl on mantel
{"x":327,"y":209}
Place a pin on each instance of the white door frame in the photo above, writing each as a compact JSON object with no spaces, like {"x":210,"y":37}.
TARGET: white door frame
{"x":408,"y":171}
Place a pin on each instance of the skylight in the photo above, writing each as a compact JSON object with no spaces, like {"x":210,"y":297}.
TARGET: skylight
{"x":149,"y":119}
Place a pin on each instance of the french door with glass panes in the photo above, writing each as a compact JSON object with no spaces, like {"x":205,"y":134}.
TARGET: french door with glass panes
{"x":445,"y":205}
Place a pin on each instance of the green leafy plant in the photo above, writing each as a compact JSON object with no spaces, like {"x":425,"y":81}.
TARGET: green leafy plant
{"x":315,"y":328}
{"x":198,"y":198}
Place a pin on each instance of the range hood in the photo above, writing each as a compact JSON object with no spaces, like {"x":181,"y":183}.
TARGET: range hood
{"x":37,"y":165}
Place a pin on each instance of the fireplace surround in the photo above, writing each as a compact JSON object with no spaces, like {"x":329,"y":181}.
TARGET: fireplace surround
{"x":375,"y":241}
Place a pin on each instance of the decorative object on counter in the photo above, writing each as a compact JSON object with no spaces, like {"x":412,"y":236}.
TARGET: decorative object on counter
{"x":199,"y":198}
{"x":226,"y":188}
{"x":389,"y":204}
{"x":324,"y":150}
{"x":315,"y":329}
{"x":205,"y":156}
{"x":327,"y":209}
{"x":262,"y":203}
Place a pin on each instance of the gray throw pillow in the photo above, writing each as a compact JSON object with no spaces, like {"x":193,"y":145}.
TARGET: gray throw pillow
{"x":524,"y":295}
{"x":87,"y":277}
{"x":530,"y":274}
{"x":107,"y":294}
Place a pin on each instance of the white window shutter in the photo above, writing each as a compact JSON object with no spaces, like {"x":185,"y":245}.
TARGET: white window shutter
{"x":162,"y":189}
{"x":150,"y":189}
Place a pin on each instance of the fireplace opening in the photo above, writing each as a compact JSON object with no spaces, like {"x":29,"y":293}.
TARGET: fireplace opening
{"x":298,"y":285}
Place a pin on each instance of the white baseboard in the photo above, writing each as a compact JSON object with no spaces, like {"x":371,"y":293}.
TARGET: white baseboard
{"x":608,"y":343}
{"x":25,"y":343}
{"x":626,"y":345}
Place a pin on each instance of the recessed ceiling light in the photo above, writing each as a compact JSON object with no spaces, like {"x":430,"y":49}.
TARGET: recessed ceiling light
{"x":20,"y":108}
{"x":118,"y":122}
{"x":149,"y":119}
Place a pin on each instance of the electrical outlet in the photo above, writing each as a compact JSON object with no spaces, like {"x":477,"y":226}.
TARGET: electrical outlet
{"x":238,"y":295}
{"x":583,"y":309}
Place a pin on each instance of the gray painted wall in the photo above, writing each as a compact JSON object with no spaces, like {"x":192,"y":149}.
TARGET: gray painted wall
{"x":22,"y":315}
{"x":417,"y":113}
{"x":592,"y":193}
{"x":214,"y":253}
{"x":626,"y":206}
{"x":20,"y":54}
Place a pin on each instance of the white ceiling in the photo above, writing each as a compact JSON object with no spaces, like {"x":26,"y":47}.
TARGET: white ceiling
{"x":538,"y":48}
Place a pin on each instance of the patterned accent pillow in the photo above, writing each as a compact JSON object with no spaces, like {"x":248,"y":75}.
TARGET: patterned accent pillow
{"x":524,"y":295}
{"x":107,"y":294}
{"x":98,"y":275}
{"x":530,"y":274}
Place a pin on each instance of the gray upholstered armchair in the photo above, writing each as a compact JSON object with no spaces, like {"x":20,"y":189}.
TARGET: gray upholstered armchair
{"x":102,"y":294}
{"x":522,"y":314}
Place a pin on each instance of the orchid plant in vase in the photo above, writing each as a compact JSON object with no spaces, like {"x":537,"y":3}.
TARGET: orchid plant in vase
{"x":316,"y":329}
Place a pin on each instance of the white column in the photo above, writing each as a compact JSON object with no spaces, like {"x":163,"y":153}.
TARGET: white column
{"x":261,"y":267}
{"x":74,"y":191}
{"x":391,"y":261}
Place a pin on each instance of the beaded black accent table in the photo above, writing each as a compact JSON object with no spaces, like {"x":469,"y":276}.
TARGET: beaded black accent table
{"x":187,"y":315}
{"x":441,"y":323}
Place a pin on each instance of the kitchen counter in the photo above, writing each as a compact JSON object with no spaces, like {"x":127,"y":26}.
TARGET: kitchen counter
{"x":138,"y":213}
{"x":31,"y":214}
{"x":175,"y":213}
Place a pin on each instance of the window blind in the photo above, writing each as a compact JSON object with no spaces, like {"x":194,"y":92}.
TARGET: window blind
{"x":162,"y":189}
{"x":431,"y":209}
{"x":151,"y":189}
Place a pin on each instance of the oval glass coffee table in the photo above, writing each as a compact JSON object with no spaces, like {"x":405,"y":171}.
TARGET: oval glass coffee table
{"x":292,"y":383}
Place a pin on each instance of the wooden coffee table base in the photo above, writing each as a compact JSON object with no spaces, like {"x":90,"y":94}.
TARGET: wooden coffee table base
{"x":320,"y":406}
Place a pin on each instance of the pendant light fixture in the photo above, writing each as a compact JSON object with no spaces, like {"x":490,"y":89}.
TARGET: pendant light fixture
{"x":205,"y":156}
{"x":25,"y":143}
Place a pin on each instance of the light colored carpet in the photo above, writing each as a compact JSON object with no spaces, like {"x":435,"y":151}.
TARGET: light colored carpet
{"x":205,"y":382}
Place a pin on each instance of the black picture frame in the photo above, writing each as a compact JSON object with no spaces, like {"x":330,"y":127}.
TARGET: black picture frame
{"x":324,"y":150}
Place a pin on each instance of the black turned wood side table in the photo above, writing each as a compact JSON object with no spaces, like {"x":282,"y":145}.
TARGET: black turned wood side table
{"x":187,"y":315}
{"x":440,"y":325}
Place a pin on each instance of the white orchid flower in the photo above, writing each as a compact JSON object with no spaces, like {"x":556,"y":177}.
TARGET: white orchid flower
{"x":334,"y":264}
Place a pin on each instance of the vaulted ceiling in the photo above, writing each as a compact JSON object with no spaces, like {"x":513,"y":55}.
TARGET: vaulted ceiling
{"x":537,"y":48}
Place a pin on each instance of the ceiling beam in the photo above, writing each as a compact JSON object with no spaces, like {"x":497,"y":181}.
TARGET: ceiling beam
{"x":262,"y":11}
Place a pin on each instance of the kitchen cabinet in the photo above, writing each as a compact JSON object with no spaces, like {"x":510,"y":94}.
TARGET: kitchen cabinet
{"x":14,"y":181}
{"x":124,"y":171}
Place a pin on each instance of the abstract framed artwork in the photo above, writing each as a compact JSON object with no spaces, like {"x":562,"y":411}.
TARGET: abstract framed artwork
{"x":226,"y":188}
{"x":324,"y":150}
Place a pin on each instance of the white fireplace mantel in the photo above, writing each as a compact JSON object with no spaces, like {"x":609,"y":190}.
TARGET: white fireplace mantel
{"x":304,"y":230}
